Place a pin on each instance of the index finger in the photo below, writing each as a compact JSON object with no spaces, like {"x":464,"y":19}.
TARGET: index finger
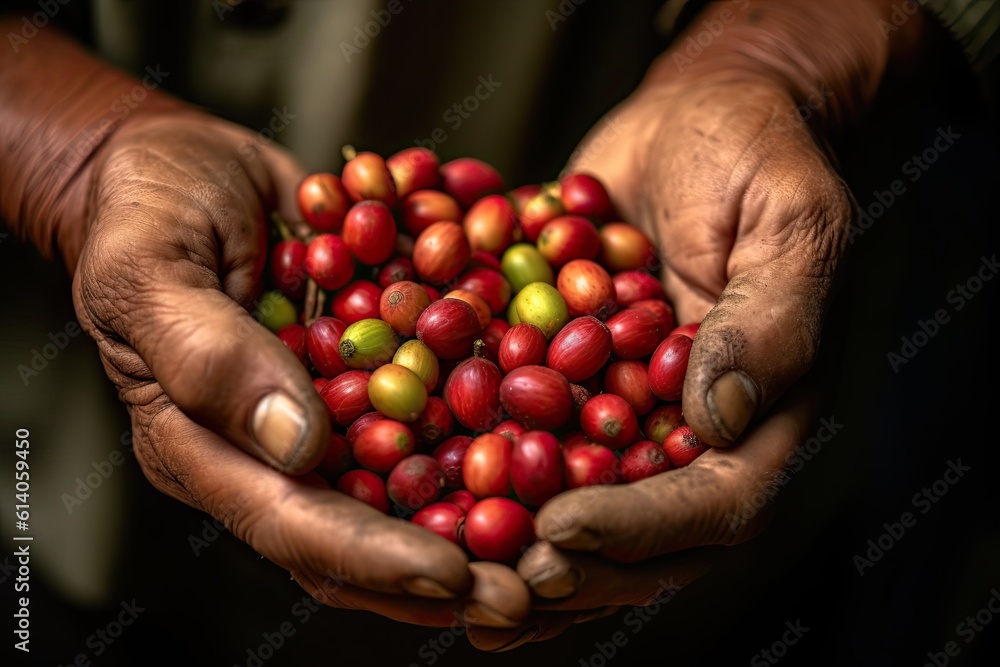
{"x":720,"y":498}
{"x":296,"y":526}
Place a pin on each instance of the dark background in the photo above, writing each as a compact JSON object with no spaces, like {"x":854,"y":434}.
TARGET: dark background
{"x":900,"y":428}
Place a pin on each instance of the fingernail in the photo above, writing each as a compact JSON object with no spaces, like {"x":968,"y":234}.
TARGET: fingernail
{"x":732,"y":402}
{"x":522,"y":638}
{"x":427,"y":588}
{"x":279,"y":424}
{"x":576,"y":538}
{"x":558,"y":583}
{"x":477,"y":613}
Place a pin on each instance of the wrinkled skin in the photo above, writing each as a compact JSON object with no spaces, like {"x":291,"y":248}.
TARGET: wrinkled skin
{"x":751,"y":219}
{"x":170,"y":264}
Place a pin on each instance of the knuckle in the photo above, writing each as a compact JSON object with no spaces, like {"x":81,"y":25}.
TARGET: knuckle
{"x":804,"y":207}
{"x":540,"y":556}
{"x":696,"y":508}
{"x":151,"y":447}
{"x":208,"y":181}
{"x":109,"y":283}
{"x":745,"y":509}
{"x":819,"y":233}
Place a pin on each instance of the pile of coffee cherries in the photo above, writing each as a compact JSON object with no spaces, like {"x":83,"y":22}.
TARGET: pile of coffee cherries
{"x":478,"y":352}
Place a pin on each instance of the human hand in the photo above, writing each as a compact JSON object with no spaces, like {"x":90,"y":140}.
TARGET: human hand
{"x":600,"y":547}
{"x":221,"y":409}
{"x":751,"y":220}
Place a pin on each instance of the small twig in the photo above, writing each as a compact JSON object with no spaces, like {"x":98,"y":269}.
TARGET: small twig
{"x":294,"y":230}
{"x":552,"y":189}
{"x":281,"y":226}
{"x":320,"y":304}
{"x":315,"y":297}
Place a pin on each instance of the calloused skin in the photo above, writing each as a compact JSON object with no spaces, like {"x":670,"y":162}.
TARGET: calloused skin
{"x":712,"y":158}
{"x":172,"y":262}
{"x":751,"y":219}
{"x":170,"y":266}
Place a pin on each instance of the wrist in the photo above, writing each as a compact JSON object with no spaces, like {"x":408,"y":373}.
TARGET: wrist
{"x":61,"y":106}
{"x":828,"y":57}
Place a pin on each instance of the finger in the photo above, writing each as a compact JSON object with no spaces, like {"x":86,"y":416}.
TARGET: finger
{"x":715,"y":500}
{"x":299,"y":527}
{"x":414,"y":610}
{"x":499,"y":597}
{"x":275,"y":176}
{"x":764,"y":332}
{"x":538,"y":626}
{"x":494,"y":587}
{"x":606,"y":153}
{"x":211,"y":357}
{"x":272,"y":169}
{"x":577,"y":581}
{"x":690,"y":303}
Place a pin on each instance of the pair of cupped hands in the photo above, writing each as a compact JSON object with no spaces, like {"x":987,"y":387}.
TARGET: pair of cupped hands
{"x":750,"y":218}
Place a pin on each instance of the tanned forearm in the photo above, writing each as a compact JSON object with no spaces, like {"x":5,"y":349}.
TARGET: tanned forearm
{"x":58,"y":105}
{"x":830,"y":55}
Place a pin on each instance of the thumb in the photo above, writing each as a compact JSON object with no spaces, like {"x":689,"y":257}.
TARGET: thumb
{"x":229,"y":373}
{"x":158,"y":289}
{"x":764,"y":331}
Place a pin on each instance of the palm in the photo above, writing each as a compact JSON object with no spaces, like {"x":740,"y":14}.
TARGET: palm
{"x":172,"y":261}
{"x":719,"y":175}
